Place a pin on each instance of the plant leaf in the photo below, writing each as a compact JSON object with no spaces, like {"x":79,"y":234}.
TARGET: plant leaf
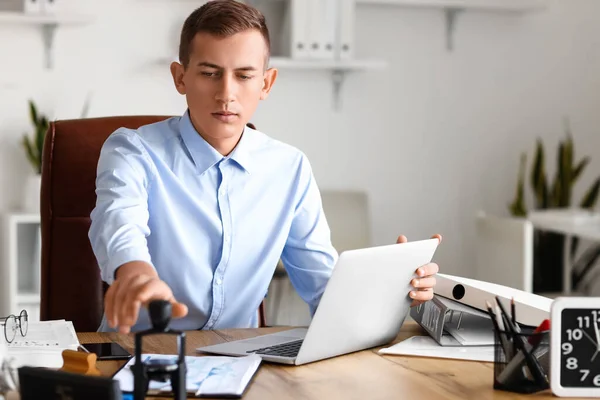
{"x":591,"y":196}
{"x":517,"y":207}
{"x":538,"y":177}
{"x":565,"y":166}
{"x":585,"y":263}
{"x":578,"y":170}
{"x":86,"y":106}
{"x":33,"y":113}
{"x":555,"y":196}
{"x":29,"y":151}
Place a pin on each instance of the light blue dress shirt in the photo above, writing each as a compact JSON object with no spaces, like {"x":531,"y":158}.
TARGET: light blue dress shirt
{"x":214,"y":227}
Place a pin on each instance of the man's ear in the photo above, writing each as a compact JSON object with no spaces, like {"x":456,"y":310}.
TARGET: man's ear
{"x":268,"y":81}
{"x":177,"y":71}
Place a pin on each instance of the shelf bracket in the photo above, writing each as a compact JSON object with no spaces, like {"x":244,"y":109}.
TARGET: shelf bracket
{"x":450,"y":14}
{"x":48,"y":32}
{"x":337,"y":79}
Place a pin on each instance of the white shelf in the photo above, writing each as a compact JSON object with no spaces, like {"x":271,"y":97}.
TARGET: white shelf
{"x":452,"y":8}
{"x":24,"y":218}
{"x":47,"y":23}
{"x":337,"y":68}
{"x":28,"y":298}
{"x":332,"y":65}
{"x":44,"y":19}
{"x":518,"y":6}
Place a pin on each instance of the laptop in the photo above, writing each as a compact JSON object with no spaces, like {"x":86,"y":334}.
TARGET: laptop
{"x":364,"y":305}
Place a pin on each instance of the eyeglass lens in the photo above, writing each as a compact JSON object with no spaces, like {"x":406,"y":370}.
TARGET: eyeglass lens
{"x":24,"y":322}
{"x":10,"y":328}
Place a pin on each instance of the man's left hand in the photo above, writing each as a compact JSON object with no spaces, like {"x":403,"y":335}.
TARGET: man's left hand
{"x":424,"y":284}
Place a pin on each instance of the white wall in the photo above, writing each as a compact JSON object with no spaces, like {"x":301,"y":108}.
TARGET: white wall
{"x":432,"y":139}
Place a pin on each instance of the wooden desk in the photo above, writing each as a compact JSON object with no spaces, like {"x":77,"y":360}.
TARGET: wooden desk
{"x":362,"y":375}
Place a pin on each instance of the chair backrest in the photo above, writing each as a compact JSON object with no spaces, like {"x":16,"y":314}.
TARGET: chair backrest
{"x":71,"y":285}
{"x":504,"y":251}
{"x":72,"y":288}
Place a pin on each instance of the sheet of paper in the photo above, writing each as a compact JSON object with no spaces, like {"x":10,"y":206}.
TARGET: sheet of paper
{"x":46,"y":335}
{"x":426,"y":346}
{"x":205,"y":375}
{"x":43,"y":344}
{"x":471,"y":330}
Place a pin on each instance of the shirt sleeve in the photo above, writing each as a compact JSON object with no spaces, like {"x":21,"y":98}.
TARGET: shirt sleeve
{"x":308,"y":255}
{"x":120,"y":219}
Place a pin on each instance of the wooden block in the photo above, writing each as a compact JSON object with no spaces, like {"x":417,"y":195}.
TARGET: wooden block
{"x":79,"y":362}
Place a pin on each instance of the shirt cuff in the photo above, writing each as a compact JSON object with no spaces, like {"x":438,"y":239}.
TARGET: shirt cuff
{"x":121,"y":257}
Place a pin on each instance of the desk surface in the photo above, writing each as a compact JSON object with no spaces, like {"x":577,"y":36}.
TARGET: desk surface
{"x":361,"y":375}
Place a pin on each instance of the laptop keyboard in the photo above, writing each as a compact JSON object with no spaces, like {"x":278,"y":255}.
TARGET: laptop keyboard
{"x":289,"y":349}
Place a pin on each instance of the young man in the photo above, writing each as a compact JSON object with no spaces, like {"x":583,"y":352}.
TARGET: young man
{"x":198,"y":209}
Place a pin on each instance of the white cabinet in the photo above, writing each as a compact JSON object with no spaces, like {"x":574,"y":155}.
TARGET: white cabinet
{"x":20,"y":272}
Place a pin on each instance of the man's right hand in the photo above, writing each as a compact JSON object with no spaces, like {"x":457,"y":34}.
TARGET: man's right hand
{"x":136,"y":284}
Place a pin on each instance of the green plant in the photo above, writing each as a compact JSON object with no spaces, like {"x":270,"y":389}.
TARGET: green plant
{"x":33,"y":147}
{"x":559,"y":195}
{"x":549,"y":251}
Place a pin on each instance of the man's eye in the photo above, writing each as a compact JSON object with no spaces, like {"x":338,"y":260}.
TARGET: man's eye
{"x":245,"y":77}
{"x":209,"y":74}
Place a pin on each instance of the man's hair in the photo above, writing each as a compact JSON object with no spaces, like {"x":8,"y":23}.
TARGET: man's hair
{"x":221,"y":18}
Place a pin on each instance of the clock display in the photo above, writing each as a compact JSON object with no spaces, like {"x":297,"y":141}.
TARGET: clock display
{"x":580,"y":347}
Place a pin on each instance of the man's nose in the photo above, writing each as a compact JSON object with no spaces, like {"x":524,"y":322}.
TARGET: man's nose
{"x":226,"y":90}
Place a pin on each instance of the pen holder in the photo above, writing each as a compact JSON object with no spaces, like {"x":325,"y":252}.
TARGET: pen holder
{"x":518,"y":370}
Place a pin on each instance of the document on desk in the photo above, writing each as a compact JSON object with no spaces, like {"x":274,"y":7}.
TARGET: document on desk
{"x":212,"y":376}
{"x":43,"y":344}
{"x":426,"y":346}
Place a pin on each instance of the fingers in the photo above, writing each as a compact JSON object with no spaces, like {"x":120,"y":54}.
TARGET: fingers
{"x":428,"y":270}
{"x":403,"y":239}
{"x":126,"y":295}
{"x":421,"y":295}
{"x":130,"y":306}
{"x":424,"y":283}
{"x":179,"y":309}
{"x":109,"y":302}
{"x":123,"y":289}
{"x":438,"y":237}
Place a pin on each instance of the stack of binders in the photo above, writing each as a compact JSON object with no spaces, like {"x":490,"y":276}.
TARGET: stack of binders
{"x":319,"y":29}
{"x":28,"y":6}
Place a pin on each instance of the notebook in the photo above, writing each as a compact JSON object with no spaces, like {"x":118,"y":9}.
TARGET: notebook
{"x":209,"y":376}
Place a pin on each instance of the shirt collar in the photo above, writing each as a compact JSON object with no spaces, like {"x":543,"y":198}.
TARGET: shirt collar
{"x":204,"y":155}
{"x":241,"y":152}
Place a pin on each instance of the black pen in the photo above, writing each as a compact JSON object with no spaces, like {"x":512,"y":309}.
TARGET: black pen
{"x":501,"y":336}
{"x":534,"y":366}
{"x":513,"y":311}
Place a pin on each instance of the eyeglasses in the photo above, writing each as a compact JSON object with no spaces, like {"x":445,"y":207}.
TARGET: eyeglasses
{"x":13,"y":323}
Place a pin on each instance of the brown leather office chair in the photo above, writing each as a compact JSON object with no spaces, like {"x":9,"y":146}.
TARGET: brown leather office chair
{"x":71,"y":285}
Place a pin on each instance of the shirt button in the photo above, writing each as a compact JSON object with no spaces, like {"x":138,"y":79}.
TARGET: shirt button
{"x":219,"y":281}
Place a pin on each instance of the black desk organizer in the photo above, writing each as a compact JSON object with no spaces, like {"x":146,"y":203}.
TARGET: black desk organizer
{"x":531,"y":375}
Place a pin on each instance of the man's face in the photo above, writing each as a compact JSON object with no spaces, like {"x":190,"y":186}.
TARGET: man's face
{"x":224,"y":81}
